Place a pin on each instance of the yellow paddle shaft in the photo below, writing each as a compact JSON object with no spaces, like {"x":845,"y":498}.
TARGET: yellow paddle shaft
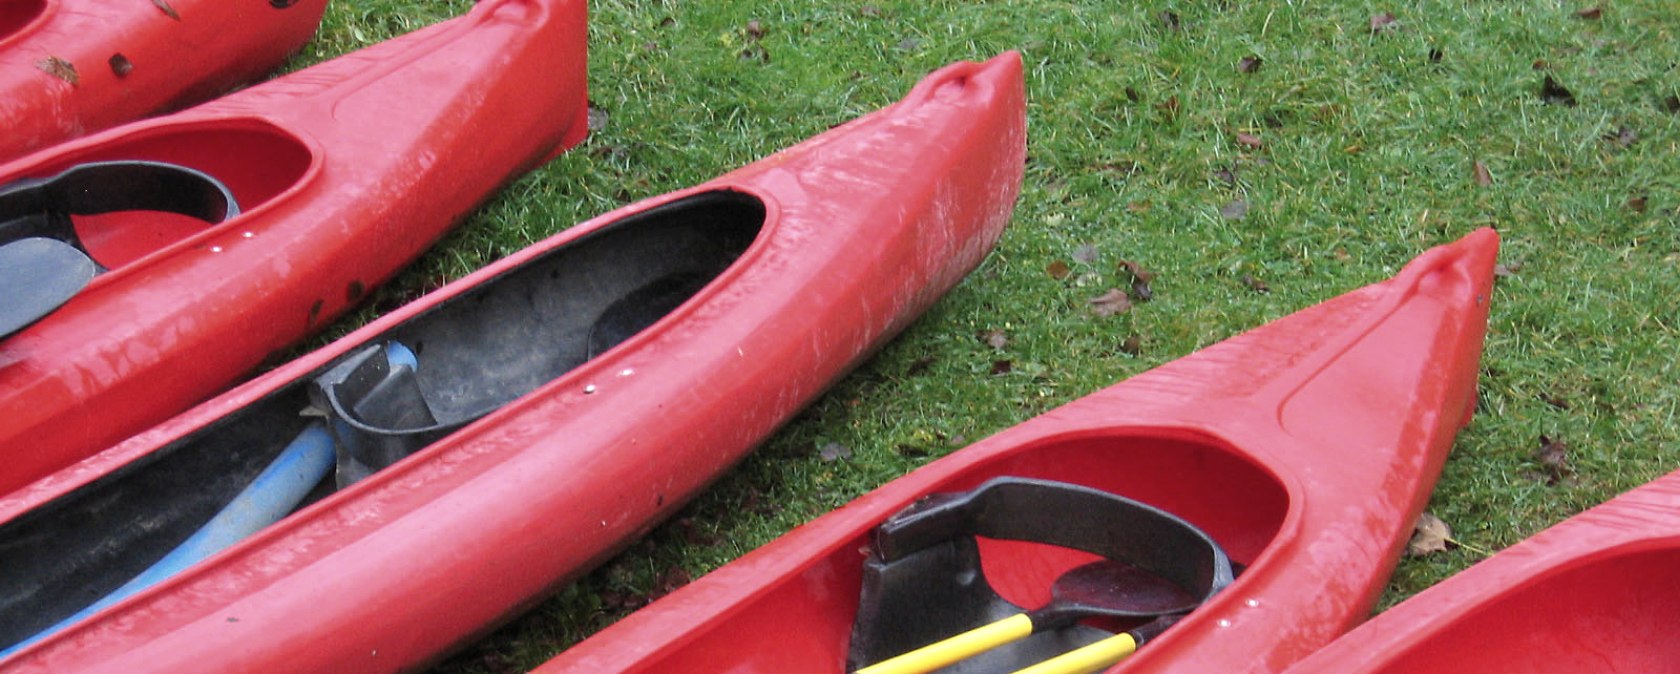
{"x":936,"y":655}
{"x":1087,"y":659}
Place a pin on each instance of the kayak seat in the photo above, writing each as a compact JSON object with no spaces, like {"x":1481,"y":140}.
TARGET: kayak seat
{"x":516,"y":332}
{"x":46,"y":260}
{"x":924,"y":580}
{"x":42,"y":207}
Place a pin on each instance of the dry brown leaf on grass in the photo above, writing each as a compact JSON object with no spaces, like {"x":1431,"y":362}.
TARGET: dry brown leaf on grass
{"x":1058,"y":270}
{"x":1553,"y":92}
{"x":1110,"y":303}
{"x":834,"y":451}
{"x":1382,"y":22}
{"x":1132,"y":345}
{"x":1431,"y":535}
{"x":1140,"y":280}
{"x":1484,"y":178}
{"x":1553,"y":455}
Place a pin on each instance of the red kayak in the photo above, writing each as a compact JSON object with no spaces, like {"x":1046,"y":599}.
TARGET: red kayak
{"x":320,"y":186}
{"x":1596,"y":593}
{"x":70,"y":67}
{"x":473,"y":450}
{"x":1305,"y":448}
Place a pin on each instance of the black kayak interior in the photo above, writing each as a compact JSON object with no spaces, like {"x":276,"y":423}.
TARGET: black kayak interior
{"x":501,"y":339}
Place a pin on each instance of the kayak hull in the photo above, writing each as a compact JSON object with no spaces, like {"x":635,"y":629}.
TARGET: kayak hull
{"x":1595,"y":593}
{"x":343,"y":173}
{"x":72,"y":67}
{"x":1305,"y":448}
{"x":863,"y":228}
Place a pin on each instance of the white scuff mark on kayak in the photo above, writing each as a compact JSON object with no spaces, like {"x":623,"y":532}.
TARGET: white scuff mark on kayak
{"x":626,"y":372}
{"x":1223,"y":622}
{"x":740,"y":353}
{"x":215,"y":249}
{"x":1252,"y":603}
{"x":589,"y":389}
{"x":249,"y":235}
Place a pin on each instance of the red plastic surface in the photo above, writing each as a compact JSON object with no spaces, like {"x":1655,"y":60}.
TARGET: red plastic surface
{"x":344,"y":172}
{"x":1597,"y":593}
{"x":1305,"y":447}
{"x":865,"y":227}
{"x":70,"y":67}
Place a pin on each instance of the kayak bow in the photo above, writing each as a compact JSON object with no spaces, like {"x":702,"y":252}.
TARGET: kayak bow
{"x":70,"y":67}
{"x":342,"y":173}
{"x":560,"y":402}
{"x":1595,"y":593}
{"x":1306,"y":448}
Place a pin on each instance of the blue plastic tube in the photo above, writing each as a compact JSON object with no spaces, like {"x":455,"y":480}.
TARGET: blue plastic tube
{"x":276,"y":492}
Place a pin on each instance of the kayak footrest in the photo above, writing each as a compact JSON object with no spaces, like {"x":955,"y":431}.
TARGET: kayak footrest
{"x":377,"y":411}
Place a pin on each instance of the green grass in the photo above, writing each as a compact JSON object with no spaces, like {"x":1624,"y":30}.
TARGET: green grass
{"x":1369,"y":146}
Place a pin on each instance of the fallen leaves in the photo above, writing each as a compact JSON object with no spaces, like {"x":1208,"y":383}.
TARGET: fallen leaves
{"x":1382,"y":22}
{"x":1249,"y":64}
{"x":1622,"y":137}
{"x":754,"y":50}
{"x":1553,"y":456}
{"x":1169,"y":107}
{"x":1483,"y":177}
{"x":1593,"y":13}
{"x":163,"y":6}
{"x":597,"y":118}
{"x":1132,"y":345}
{"x":1255,"y":284}
{"x":60,"y":68}
{"x":1250,"y":141}
{"x":997,"y":339}
{"x":1140,"y":280}
{"x":834,"y":451}
{"x":1237,"y":209}
{"x":1058,"y":270}
{"x":1429,"y":536}
{"x":1115,"y":301}
{"x":1554,"y":93}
